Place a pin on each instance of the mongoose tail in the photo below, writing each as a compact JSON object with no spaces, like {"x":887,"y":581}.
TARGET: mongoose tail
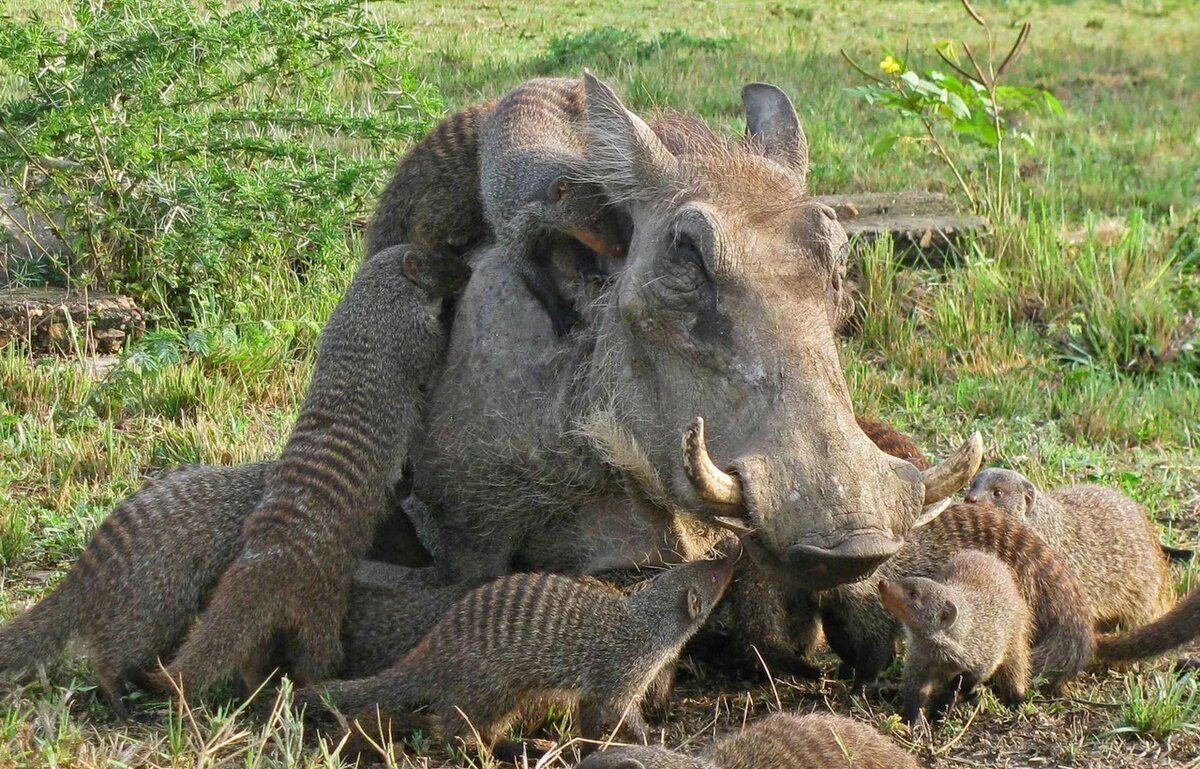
{"x":41,"y":633}
{"x":1170,"y":631}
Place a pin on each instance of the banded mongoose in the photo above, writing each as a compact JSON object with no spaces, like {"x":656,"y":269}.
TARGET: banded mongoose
{"x":145,"y":575}
{"x":864,"y":635}
{"x":780,"y":741}
{"x":1105,"y":536}
{"x":329,"y":488}
{"x":391,"y":610}
{"x":532,"y":636}
{"x":433,"y":200}
{"x":531,"y":155}
{"x":971,"y":621}
{"x":892,"y":441}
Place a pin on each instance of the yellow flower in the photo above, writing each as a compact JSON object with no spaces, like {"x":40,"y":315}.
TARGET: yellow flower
{"x":890,"y":66}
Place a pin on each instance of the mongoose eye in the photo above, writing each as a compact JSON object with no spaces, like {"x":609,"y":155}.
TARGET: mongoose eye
{"x":997,"y":493}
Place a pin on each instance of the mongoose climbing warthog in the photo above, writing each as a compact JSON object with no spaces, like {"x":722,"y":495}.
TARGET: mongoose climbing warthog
{"x":531,"y":156}
{"x":533,"y":636}
{"x":781,"y":741}
{"x":329,"y":489}
{"x":971,"y":622}
{"x":1105,"y":536}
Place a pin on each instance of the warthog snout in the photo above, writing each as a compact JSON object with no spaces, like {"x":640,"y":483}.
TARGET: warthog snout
{"x":854,"y":557}
{"x":837,"y":548}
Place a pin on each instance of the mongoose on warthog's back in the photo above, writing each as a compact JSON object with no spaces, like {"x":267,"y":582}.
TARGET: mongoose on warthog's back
{"x":971,"y":622}
{"x":146,"y":573}
{"x":433,"y":199}
{"x":781,"y":741}
{"x":531,"y":152}
{"x":328,"y":490}
{"x":533,"y":636}
{"x":1105,"y":536}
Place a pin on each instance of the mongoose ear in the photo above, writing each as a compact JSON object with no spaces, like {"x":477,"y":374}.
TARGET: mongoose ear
{"x":695,"y":604}
{"x":623,"y":154}
{"x":1030,"y":497}
{"x":949,"y":615}
{"x":773,"y":127}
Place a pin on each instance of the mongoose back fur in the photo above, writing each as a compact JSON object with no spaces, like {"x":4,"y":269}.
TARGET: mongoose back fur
{"x":147,"y":572}
{"x":1105,"y":536}
{"x":326,"y":493}
{"x":531,"y":151}
{"x":780,"y":741}
{"x":972,"y":622}
{"x":531,"y":636}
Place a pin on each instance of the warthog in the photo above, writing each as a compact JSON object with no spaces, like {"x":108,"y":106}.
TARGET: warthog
{"x":595,"y":450}
{"x":565,"y":454}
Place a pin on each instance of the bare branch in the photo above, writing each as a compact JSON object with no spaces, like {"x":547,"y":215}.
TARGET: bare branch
{"x":974,"y":14}
{"x":1018,"y":46}
{"x":954,"y":66}
{"x":982,"y":79}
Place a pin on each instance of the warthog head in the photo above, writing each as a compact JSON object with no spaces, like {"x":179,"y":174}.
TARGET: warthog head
{"x":725,"y":310}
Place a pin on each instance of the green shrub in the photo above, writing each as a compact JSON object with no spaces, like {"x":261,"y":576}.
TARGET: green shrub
{"x":190,"y":152}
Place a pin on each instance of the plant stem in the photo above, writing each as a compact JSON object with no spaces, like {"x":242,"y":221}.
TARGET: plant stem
{"x":945,"y":156}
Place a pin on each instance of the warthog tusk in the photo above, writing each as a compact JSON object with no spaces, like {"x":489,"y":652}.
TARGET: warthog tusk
{"x":930,"y":513}
{"x":955,"y":471}
{"x":711,"y":483}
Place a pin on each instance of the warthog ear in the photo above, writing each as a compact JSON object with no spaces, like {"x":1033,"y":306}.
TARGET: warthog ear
{"x":773,"y":127}
{"x":623,"y":154}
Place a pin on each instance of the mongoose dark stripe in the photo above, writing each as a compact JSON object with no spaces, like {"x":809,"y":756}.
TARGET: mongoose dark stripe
{"x":324,"y":498}
{"x":495,"y":649}
{"x":781,"y":741}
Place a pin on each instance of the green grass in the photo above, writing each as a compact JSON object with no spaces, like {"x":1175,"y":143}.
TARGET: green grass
{"x":1065,"y":344}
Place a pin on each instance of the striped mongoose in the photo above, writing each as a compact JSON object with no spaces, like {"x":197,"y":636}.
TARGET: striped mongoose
{"x":506,"y":166}
{"x":780,"y":741}
{"x":145,"y":575}
{"x":971,"y":621}
{"x":1105,"y":536}
{"x":863,"y":634}
{"x":432,"y":200}
{"x":531,"y":152}
{"x":329,"y":489}
{"x":538,"y":636}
